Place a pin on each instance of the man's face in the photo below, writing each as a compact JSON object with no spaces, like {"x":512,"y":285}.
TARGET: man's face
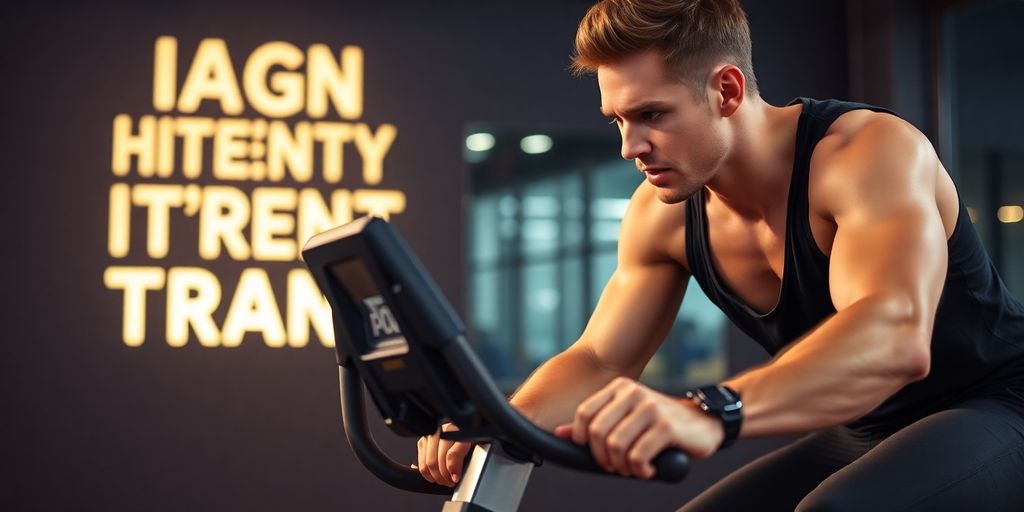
{"x":676,"y":140}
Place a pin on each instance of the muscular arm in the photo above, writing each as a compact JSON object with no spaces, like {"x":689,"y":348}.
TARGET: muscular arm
{"x":886,"y":274}
{"x":631,"y":319}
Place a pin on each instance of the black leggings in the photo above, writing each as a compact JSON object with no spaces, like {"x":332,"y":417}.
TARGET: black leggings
{"x":967,"y":457}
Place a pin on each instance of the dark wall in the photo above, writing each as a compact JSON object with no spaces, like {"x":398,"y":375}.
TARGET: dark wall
{"x":983,"y":39}
{"x":891,"y":63}
{"x":90,"y":423}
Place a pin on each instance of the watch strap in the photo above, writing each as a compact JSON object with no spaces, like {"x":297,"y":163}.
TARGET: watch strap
{"x":724,"y":403}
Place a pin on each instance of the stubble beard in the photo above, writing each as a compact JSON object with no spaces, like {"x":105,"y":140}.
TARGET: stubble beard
{"x":676,"y":195}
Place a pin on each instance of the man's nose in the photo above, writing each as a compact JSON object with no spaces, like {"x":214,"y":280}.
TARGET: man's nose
{"x":634,"y":144}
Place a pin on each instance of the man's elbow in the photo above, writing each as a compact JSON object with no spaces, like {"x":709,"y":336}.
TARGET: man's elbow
{"x":919,"y":363}
{"x":913,"y":354}
{"x":912,"y":338}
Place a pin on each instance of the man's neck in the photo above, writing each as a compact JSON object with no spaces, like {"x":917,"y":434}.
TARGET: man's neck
{"x":754,"y":180}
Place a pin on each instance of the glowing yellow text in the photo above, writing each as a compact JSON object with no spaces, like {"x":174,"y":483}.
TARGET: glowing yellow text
{"x":193,"y":297}
{"x":240,"y":161}
{"x":273,"y":93}
{"x":279,"y":220}
{"x":246,"y":150}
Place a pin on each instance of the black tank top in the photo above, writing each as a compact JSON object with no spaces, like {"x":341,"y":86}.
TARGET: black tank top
{"x":978,"y":339}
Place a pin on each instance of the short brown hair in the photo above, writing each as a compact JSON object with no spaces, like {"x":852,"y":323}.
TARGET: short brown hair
{"x":692,"y":35}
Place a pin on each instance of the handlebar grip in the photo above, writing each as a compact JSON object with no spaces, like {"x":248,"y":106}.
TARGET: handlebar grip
{"x":671,"y":465}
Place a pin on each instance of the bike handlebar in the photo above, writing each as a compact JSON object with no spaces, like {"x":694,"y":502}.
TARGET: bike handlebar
{"x":671,"y":465}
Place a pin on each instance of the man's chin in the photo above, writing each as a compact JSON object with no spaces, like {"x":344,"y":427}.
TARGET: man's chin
{"x":672,"y":196}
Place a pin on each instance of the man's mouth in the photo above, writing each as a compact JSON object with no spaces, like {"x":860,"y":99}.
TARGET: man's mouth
{"x":657,"y":176}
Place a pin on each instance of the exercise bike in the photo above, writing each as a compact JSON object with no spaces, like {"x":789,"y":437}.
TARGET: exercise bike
{"x":397,"y":334}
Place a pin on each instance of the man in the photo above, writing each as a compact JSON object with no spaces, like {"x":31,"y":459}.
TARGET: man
{"x":829,"y":232}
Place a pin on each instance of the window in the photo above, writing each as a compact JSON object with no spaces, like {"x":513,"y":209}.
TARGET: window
{"x":543,"y":229}
{"x":982,"y":48}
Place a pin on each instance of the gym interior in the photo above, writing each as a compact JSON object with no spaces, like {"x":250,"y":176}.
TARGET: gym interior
{"x":165,"y":346}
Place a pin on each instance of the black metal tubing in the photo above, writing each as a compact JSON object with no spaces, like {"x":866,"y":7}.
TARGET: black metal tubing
{"x":671,"y":465}
{"x":357,"y":431}
{"x":436,"y":331}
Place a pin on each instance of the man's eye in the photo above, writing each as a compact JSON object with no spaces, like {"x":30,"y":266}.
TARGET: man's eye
{"x":651,"y":115}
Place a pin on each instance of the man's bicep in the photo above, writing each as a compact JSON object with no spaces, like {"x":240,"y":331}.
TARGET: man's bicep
{"x":633,"y":315}
{"x":890,"y":241}
{"x":902,"y":255}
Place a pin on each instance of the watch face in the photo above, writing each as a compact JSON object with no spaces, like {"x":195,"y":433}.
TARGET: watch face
{"x":716,"y":397}
{"x":724,"y":403}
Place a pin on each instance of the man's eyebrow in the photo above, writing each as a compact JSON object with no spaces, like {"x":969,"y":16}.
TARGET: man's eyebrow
{"x":645,"y":106}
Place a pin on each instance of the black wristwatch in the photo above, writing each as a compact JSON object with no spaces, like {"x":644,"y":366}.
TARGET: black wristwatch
{"x":725,"y":404}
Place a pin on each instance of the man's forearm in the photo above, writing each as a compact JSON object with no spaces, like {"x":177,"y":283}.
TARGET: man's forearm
{"x":550,"y":395}
{"x":843,"y":369}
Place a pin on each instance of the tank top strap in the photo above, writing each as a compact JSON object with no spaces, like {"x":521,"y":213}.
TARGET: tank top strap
{"x":697,"y":253}
{"x":816,"y":117}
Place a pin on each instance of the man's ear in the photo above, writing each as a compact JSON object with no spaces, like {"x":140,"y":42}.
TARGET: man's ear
{"x":727,"y":89}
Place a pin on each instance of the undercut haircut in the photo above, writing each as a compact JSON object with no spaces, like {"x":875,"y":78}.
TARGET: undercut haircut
{"x":691,"y":35}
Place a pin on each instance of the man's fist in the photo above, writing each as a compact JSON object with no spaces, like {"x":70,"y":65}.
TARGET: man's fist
{"x":440,"y":460}
{"x":627,"y":424}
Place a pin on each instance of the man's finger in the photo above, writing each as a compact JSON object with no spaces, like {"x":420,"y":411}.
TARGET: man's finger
{"x":643,"y":451}
{"x":421,"y":459}
{"x":444,"y":446}
{"x":432,"y":441}
{"x":564,"y":431}
{"x":455,"y":458}
{"x":444,"y":454}
{"x":601,"y":426}
{"x":624,"y":434}
{"x":586,"y":411}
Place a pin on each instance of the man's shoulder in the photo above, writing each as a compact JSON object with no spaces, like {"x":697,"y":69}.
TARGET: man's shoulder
{"x":856,"y":132}
{"x":865,"y":150}
{"x":653,"y":231}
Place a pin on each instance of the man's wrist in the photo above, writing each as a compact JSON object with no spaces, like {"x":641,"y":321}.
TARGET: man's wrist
{"x":722,"y":405}
{"x":716,"y":428}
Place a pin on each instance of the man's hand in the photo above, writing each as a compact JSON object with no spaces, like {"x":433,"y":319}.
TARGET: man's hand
{"x":628,"y":424}
{"x":440,"y":460}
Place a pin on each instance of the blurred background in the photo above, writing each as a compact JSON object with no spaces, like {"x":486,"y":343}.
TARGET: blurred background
{"x":165,"y":162}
